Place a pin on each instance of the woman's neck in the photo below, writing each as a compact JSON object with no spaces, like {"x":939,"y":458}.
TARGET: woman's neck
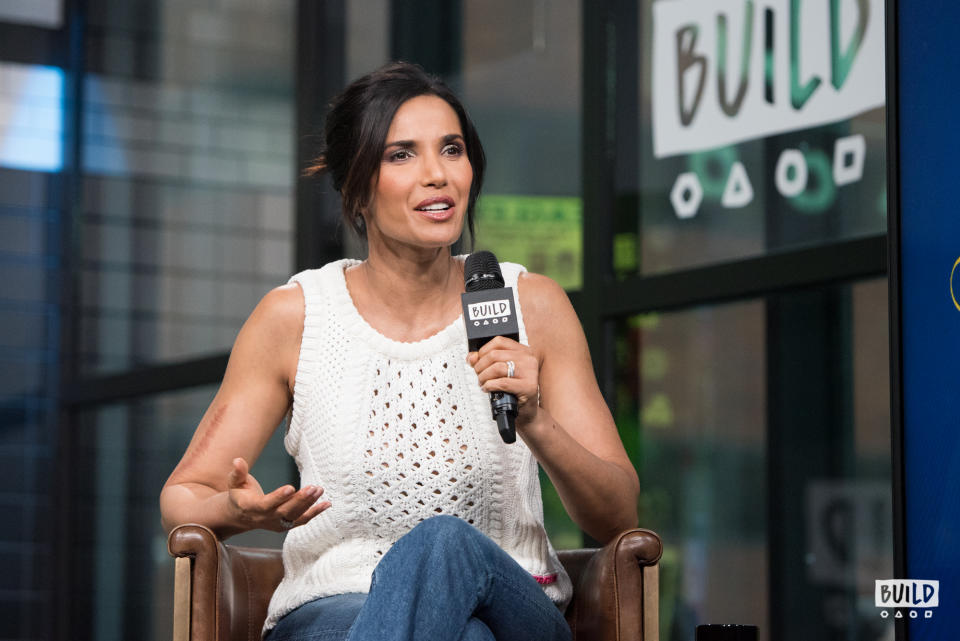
{"x":407,"y":294}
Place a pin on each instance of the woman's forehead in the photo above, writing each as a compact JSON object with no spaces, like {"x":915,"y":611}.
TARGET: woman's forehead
{"x":424,"y":118}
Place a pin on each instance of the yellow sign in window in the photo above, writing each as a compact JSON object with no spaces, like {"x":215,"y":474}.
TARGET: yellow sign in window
{"x":543,"y":233}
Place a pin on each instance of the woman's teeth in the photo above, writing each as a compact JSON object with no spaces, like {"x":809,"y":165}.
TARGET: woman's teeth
{"x":436,"y":207}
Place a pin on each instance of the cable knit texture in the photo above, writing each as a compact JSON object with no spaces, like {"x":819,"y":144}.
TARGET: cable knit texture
{"x":396,"y":433}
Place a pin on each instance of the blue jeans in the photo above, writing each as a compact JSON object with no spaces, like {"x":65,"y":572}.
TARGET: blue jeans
{"x":443,"y":580}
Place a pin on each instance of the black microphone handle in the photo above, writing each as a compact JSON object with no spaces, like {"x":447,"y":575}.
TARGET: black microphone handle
{"x":504,"y":408}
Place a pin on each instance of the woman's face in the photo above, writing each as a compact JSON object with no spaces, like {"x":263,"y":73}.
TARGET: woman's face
{"x":421,"y":195}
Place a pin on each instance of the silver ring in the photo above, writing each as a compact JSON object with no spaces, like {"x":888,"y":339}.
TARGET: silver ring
{"x":511,"y":369}
{"x":285,"y":524}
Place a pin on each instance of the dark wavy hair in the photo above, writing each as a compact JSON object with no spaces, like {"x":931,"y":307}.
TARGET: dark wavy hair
{"x":356,"y":129}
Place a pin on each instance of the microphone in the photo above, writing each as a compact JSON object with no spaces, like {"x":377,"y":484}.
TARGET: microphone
{"x":488,"y":312}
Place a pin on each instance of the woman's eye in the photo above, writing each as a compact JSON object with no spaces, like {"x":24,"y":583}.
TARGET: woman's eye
{"x":453,"y":150}
{"x":400,"y":154}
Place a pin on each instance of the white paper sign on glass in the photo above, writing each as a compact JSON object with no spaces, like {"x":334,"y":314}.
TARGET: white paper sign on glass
{"x":726,"y":71}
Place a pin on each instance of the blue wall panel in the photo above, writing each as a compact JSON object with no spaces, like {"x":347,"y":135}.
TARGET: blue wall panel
{"x":929,"y":138}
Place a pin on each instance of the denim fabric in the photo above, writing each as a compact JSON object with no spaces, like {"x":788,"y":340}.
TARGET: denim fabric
{"x":443,"y":580}
{"x":326,"y":619}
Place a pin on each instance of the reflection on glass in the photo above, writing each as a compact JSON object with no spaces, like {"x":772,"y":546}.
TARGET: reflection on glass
{"x":31,"y":190}
{"x":127,"y":451}
{"x":31,"y":117}
{"x":42,"y":13}
{"x":696,"y":433}
{"x":520,"y":80}
{"x":187,"y":176}
{"x":760,"y":433}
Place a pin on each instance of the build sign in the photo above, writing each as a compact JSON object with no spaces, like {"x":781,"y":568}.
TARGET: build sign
{"x":727,"y":71}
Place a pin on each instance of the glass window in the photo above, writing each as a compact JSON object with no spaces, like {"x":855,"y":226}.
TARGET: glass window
{"x":697,"y":438}
{"x":31,"y":117}
{"x":188,"y":176}
{"x":42,"y":13}
{"x":517,"y":70}
{"x":520,"y":80}
{"x":761,"y":436}
{"x":746,"y":143}
{"x":30,"y":320}
{"x":28,"y":539}
{"x":127,"y":451}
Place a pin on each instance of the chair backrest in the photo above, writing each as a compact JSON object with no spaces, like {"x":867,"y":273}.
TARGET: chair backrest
{"x":222,"y":591}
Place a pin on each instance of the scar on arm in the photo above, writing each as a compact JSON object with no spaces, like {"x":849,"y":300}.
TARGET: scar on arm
{"x":197,"y":449}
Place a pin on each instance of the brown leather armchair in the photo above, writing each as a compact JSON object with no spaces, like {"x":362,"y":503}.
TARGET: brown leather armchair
{"x":222,"y":591}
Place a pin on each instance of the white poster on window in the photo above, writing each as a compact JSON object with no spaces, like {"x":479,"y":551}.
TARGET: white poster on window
{"x":725,"y":71}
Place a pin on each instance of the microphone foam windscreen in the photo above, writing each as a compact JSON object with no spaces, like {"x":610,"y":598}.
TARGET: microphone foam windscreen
{"x":482,"y":271}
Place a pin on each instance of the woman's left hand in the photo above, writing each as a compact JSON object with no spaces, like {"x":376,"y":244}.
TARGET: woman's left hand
{"x":491,"y":363}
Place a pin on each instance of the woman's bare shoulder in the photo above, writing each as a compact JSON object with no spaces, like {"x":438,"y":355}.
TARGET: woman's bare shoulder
{"x":546,"y":308}
{"x":540,"y":293}
{"x":283,"y":303}
{"x":280,"y":311}
{"x":273,"y":331}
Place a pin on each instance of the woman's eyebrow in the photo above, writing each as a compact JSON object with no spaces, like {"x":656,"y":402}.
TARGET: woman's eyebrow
{"x":409,"y":144}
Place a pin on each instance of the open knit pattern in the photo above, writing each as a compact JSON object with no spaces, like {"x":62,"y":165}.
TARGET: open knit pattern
{"x":395,"y":433}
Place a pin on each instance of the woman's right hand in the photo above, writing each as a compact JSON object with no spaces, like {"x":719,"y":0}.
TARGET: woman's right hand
{"x":279,"y":510}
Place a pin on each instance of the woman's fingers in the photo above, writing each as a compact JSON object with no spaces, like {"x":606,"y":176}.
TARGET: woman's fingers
{"x":499,"y":342}
{"x":312,"y":512}
{"x":522,"y":372}
{"x":495,"y":366}
{"x":293,"y":508}
{"x":494,"y":373}
{"x":270,"y":510}
{"x":502,"y":356}
{"x":278,"y":497}
{"x":494,"y":344}
{"x":495,"y":356}
{"x":238,"y":475}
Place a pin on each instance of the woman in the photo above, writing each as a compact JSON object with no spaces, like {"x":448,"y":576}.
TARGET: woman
{"x":423,"y":506}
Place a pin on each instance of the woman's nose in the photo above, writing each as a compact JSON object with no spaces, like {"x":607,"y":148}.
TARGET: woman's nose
{"x":434,"y":173}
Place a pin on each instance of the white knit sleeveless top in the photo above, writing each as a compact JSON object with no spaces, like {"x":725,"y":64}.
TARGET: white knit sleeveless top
{"x":396,"y":433}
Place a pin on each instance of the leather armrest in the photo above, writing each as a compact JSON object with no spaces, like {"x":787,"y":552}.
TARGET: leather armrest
{"x":231,"y":586}
{"x":615,"y":587}
{"x":615,"y":595}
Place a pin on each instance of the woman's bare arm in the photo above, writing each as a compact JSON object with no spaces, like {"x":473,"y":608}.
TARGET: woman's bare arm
{"x":212,"y":485}
{"x":571,"y":431}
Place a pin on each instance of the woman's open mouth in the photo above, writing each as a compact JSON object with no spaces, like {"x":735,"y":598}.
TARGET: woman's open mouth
{"x":437,"y":208}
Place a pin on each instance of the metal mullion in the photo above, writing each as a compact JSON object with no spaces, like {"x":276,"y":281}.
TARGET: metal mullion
{"x":320,"y":74}
{"x":748,"y":278}
{"x":895,"y":312}
{"x":597,"y":162}
{"x":33,"y":45}
{"x":597,"y":169}
{"x":70,"y":578}
{"x":148,"y":381}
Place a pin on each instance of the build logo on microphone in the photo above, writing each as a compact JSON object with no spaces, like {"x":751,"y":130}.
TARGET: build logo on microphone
{"x":489,"y":312}
{"x":907,"y":594}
